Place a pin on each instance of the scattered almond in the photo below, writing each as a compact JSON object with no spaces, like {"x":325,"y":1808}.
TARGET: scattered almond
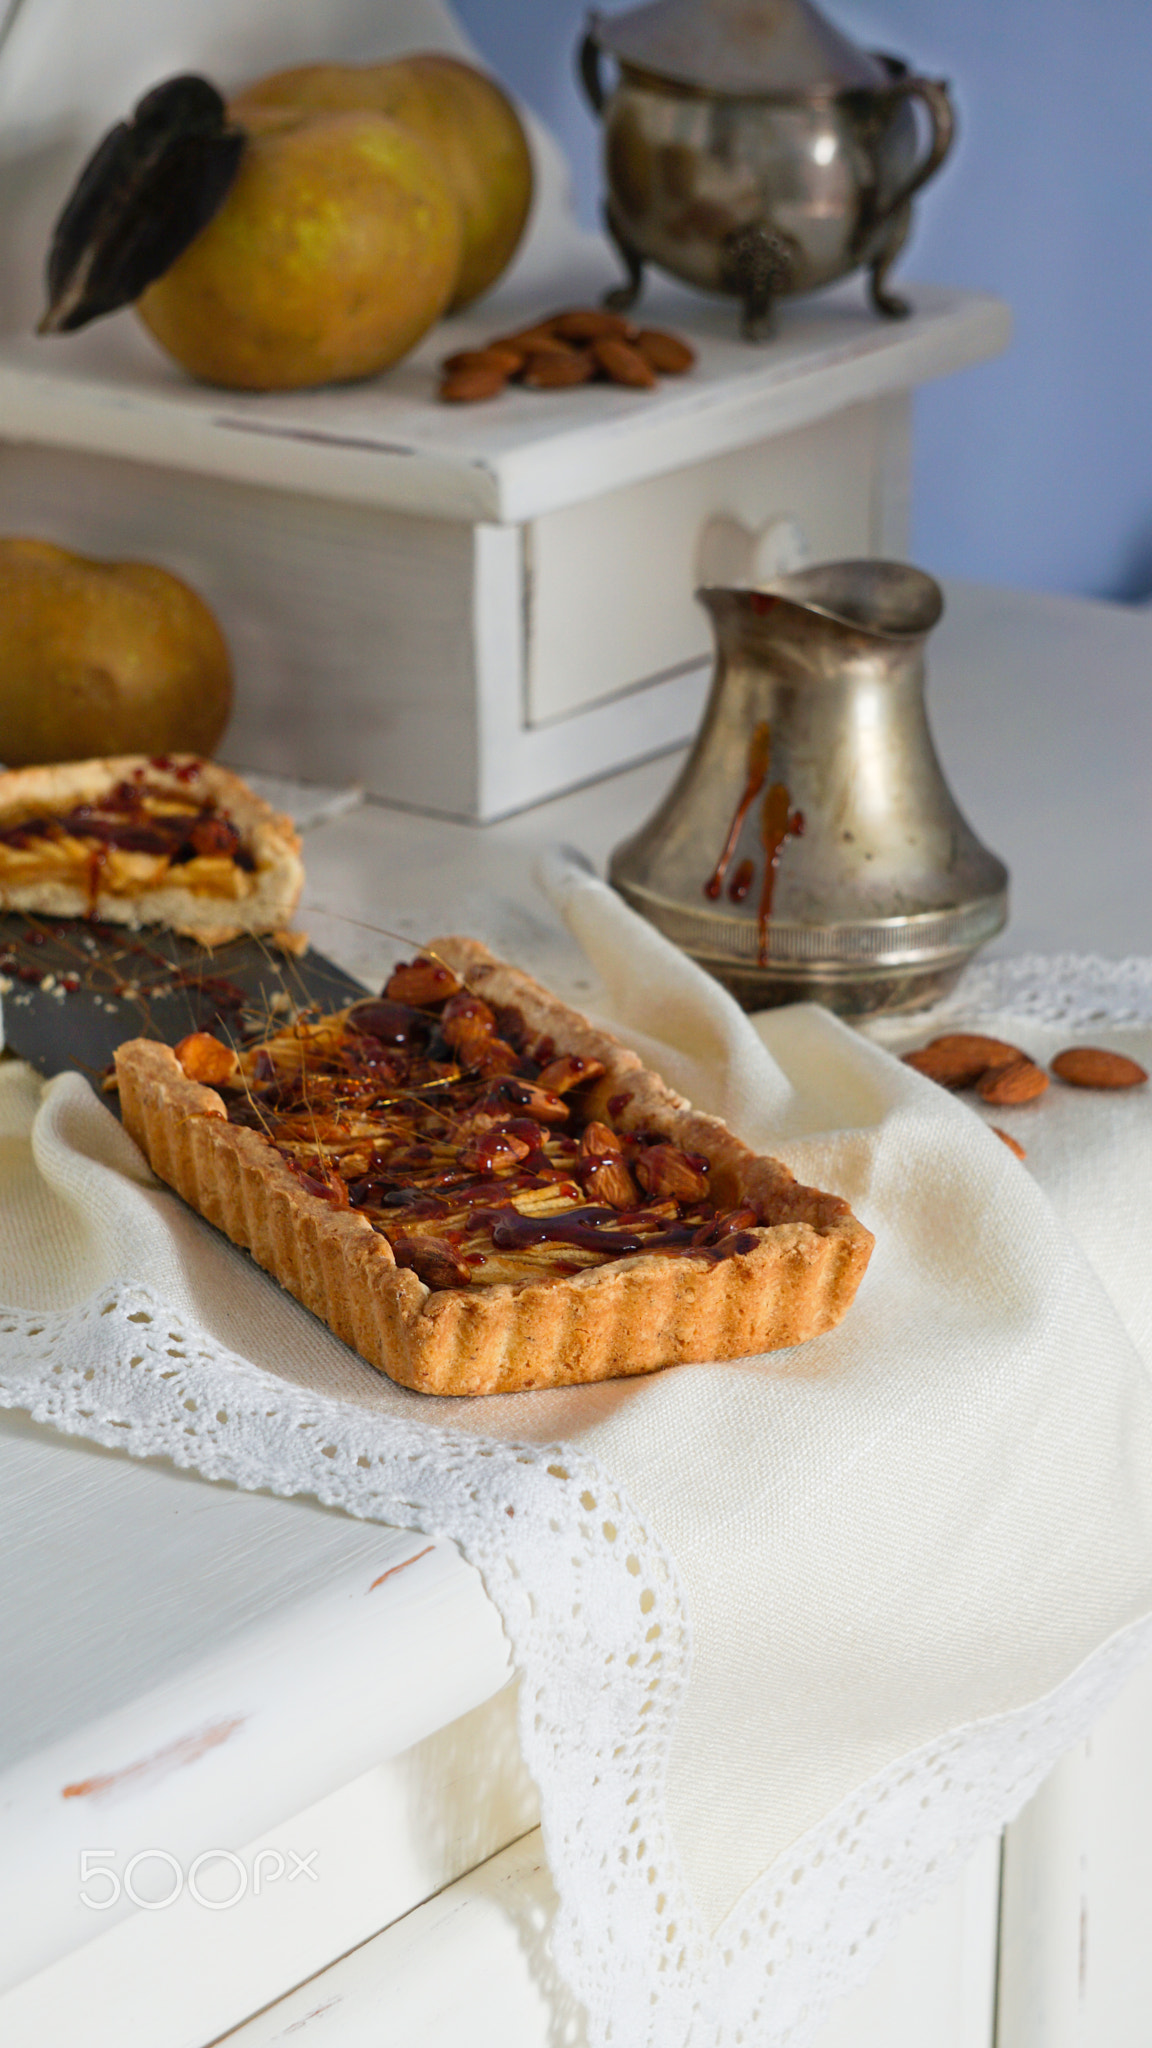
{"x":567,"y":349}
{"x":622,"y":363}
{"x":1090,"y":1066}
{"x":1018,"y":1080}
{"x":498,"y":356}
{"x":468,"y":387}
{"x":557,"y":372}
{"x":204,"y":1059}
{"x":664,"y":352}
{"x":540,"y":341}
{"x":590,"y":323}
{"x":1013,"y":1144}
{"x":958,"y":1059}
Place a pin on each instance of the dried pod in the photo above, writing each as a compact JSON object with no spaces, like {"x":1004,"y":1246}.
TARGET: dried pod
{"x":571,"y":1070}
{"x":623,"y":364}
{"x":959,"y":1058}
{"x":432,"y":1261}
{"x":470,"y":387}
{"x":591,"y":323}
{"x":666,"y":1170}
{"x":1018,"y":1080}
{"x":1090,"y":1066}
{"x":664,"y":352}
{"x":1013,"y":1144}
{"x":558,"y":372}
{"x":421,"y":983}
{"x":205,"y":1059}
{"x":608,"y":1180}
{"x":146,"y":192}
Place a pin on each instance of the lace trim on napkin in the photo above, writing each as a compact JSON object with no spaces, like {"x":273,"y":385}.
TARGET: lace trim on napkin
{"x":592,"y":1604}
{"x":1076,"y":989}
{"x":597,"y":1719}
{"x":589,"y":1597}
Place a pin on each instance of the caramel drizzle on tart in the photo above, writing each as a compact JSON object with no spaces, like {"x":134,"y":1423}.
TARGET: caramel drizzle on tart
{"x":160,"y":818}
{"x":466,"y":1140}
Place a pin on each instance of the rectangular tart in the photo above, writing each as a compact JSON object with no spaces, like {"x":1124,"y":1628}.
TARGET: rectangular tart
{"x":173,"y":841}
{"x":480,"y":1192}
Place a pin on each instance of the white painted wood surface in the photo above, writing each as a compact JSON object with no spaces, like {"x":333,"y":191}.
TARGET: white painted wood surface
{"x":472,"y":1966}
{"x":478,"y":656}
{"x":494,"y":599}
{"x":140,"y":1591}
{"x":1076,"y":1937}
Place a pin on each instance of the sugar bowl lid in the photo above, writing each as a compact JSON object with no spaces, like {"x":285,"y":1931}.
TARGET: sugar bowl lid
{"x":742,"y":48}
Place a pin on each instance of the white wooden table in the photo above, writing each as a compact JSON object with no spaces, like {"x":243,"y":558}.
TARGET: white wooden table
{"x":204,"y":1669}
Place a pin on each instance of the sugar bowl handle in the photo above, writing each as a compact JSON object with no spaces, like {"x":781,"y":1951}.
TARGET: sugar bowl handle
{"x":933,"y":94}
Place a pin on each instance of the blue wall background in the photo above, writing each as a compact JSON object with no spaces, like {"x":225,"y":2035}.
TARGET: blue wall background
{"x":1035,"y":470}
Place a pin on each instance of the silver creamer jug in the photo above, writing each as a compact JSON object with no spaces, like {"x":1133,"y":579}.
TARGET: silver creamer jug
{"x":810,"y":847}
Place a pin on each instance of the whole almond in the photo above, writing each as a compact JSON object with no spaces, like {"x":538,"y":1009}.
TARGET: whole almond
{"x":421,"y":981}
{"x":205,"y":1059}
{"x":497,"y":355}
{"x":468,"y":387}
{"x":666,"y":1170}
{"x":1089,"y":1066}
{"x":590,"y":323}
{"x":623,"y":364}
{"x":558,"y":372}
{"x":958,"y":1059}
{"x":432,"y":1261}
{"x":571,"y":1070}
{"x":607,"y":1179}
{"x":598,"y":1141}
{"x":1013,"y":1144}
{"x":664,"y":352}
{"x":1018,"y":1080}
{"x":536,"y":340}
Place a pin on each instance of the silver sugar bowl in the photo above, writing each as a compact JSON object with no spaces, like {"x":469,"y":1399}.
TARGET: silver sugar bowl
{"x":810,"y":847}
{"x":751,"y":149}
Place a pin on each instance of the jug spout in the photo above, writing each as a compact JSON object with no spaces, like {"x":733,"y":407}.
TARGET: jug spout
{"x":882,"y":601}
{"x":811,"y":846}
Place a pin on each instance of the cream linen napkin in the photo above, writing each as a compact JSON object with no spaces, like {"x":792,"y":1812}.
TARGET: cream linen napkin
{"x":793,"y":1632}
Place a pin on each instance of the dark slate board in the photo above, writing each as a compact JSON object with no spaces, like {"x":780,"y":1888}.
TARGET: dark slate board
{"x":147,"y":984}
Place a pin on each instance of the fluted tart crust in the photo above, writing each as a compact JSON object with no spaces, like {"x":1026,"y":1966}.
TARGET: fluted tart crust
{"x":481,"y":1192}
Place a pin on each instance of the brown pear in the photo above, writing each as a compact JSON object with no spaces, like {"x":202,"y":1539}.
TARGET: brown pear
{"x":465,"y":120}
{"x":337,"y":247}
{"x":104,"y":658}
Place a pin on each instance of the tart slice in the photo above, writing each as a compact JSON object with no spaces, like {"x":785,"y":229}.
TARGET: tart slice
{"x":480,"y":1192}
{"x":172,"y":841}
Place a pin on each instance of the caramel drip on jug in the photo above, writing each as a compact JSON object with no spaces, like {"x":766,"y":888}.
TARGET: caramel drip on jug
{"x":759,"y":756}
{"x":778,"y":822}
